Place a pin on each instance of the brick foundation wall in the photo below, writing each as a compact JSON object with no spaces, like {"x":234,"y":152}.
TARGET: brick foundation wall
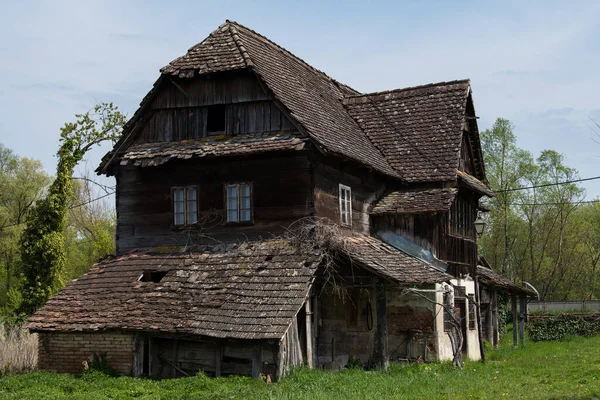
{"x":66,"y":352}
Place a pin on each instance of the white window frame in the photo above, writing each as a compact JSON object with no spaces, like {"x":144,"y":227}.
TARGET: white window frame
{"x":239,"y":209}
{"x":345,"y":200}
{"x":188,"y":212}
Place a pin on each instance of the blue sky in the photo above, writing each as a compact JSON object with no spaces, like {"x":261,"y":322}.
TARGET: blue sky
{"x":535,"y":63}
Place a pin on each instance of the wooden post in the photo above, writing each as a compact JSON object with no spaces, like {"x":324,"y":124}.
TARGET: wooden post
{"x":281,"y":357}
{"x":522,"y":316}
{"x":257,"y":362}
{"x":495,"y":330}
{"x":309,"y":338}
{"x":515,"y":317}
{"x":381,"y":349}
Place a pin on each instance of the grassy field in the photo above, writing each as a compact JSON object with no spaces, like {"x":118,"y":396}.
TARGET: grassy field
{"x":545,"y":370}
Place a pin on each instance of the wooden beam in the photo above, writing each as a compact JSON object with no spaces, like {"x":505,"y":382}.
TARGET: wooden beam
{"x":381,"y":342}
{"x":515,"y":317}
{"x":281,"y":358}
{"x":495,"y":330}
{"x":522,"y":317}
{"x":309,"y":336}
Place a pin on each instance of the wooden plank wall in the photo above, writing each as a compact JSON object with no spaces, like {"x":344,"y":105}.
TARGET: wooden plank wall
{"x":180,"y":108}
{"x":290,"y":350}
{"x":341,"y":335}
{"x":171,"y":357}
{"x":466,"y":156}
{"x":366,"y":188}
{"x":281,"y":194}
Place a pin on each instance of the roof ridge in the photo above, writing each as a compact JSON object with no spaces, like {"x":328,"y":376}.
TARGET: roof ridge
{"x":292,"y":55}
{"x":240,"y":46}
{"x":427,"y":85}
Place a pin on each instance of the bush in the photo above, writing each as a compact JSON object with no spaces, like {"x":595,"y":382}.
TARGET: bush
{"x":557,"y":327}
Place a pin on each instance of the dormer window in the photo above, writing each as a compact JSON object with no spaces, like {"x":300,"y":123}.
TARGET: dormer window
{"x":238,"y":202}
{"x":215,"y":120}
{"x":185,"y":206}
{"x":345,"y":198}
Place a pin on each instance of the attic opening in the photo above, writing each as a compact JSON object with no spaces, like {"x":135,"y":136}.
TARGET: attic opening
{"x":152,"y":276}
{"x":215,"y":120}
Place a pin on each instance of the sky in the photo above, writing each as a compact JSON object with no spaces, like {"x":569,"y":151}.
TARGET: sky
{"x":535,"y":63}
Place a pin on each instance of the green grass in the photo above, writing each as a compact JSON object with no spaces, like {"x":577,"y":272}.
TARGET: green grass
{"x":545,"y":370}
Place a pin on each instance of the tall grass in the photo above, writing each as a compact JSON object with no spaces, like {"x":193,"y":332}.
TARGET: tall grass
{"x":18,"y":350}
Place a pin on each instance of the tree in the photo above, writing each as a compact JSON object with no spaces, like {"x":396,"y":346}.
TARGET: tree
{"x":22,"y":182}
{"x":538,"y":230}
{"x":42,"y":242}
{"x":90,"y":228}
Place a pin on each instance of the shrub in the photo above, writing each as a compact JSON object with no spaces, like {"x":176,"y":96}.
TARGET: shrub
{"x":18,"y":350}
{"x":557,"y":327}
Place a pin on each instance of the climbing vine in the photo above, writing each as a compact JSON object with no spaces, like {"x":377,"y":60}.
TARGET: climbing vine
{"x":42,"y":242}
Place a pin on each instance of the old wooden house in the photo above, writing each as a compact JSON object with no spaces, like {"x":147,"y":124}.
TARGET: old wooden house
{"x":239,"y":145}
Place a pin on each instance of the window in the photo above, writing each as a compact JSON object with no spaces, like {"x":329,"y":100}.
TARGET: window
{"x":215,"y":120}
{"x":238,"y":202}
{"x":345,"y":205}
{"x":185,"y":206}
{"x":472,"y":313}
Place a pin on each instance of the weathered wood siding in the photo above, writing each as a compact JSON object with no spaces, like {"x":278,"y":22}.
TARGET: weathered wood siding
{"x":366,"y":188}
{"x":466,"y":155}
{"x":347,"y":326}
{"x":170,"y":357}
{"x":281,"y":194}
{"x":180,"y":108}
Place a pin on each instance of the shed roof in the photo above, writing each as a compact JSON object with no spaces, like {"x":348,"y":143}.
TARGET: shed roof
{"x":415,"y":201}
{"x":252,"y":291}
{"x":489,"y":277}
{"x":389,"y":262}
{"x":475,"y":184}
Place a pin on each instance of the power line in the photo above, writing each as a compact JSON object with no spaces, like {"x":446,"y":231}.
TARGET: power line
{"x":70,"y":208}
{"x":573,"y":203}
{"x":546,"y":185}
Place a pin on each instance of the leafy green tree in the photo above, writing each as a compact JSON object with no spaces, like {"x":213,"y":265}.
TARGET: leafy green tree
{"x":90,"y":231}
{"x":43,"y":242}
{"x":537,"y":231}
{"x":22,"y":183}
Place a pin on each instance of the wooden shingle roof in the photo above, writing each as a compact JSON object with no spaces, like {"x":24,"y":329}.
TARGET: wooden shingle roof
{"x":389,"y":262}
{"x":490,"y":278}
{"x":156,"y":153}
{"x":413,"y":134}
{"x":475,"y":184}
{"x":313,"y":99}
{"x":415,"y":201}
{"x":249,"y":292}
{"x":418,"y":129}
